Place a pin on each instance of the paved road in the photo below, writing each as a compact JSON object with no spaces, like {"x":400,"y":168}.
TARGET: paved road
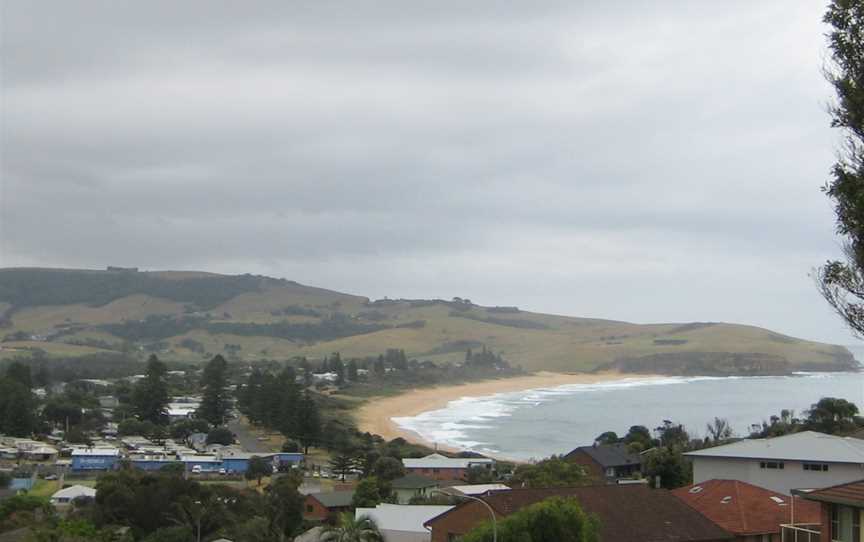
{"x":247,"y":439}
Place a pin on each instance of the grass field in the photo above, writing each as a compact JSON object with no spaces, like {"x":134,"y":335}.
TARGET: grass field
{"x":534,"y":341}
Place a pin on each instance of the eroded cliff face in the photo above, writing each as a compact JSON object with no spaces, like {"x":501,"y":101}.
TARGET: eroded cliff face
{"x":725,"y":364}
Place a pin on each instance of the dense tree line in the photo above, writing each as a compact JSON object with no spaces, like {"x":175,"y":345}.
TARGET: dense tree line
{"x":278,"y":402}
{"x":32,"y":287}
{"x":165,"y":507}
{"x":17,"y":402}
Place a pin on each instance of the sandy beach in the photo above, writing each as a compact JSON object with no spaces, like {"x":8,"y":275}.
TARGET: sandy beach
{"x":375,"y":416}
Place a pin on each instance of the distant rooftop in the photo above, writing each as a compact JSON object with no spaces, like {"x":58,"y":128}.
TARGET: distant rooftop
{"x":438,"y":461}
{"x":479,"y":489}
{"x":803,"y":446}
{"x":610,"y":455}
{"x":334,"y":499}
{"x":100,"y":452}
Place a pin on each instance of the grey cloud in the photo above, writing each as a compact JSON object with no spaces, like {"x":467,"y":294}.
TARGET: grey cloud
{"x":611,"y":159}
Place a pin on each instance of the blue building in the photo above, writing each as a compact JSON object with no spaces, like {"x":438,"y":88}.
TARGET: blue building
{"x":202,"y":463}
{"x":287,"y":458}
{"x":152,"y":463}
{"x":235,"y":464}
{"x":95,"y":459}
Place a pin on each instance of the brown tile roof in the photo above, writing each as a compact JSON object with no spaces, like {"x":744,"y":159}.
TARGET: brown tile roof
{"x":851,"y":493}
{"x":745,"y":509}
{"x":627,"y":513}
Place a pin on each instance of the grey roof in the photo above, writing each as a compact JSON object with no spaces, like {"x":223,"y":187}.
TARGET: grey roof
{"x":413,"y":481}
{"x":403,"y":518}
{"x":438,"y":461}
{"x":334,"y":499}
{"x":803,"y":446}
{"x":610,"y":455}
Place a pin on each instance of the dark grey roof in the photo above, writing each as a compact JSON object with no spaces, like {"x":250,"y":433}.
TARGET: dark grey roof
{"x":610,"y":455}
{"x":413,"y":481}
{"x":334,"y":499}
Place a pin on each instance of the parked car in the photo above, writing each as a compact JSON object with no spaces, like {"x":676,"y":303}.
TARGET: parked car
{"x":196,"y":469}
{"x":223,"y":472}
{"x":51,"y":477}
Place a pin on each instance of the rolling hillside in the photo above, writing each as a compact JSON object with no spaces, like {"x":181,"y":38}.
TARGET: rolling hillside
{"x":193,"y":315}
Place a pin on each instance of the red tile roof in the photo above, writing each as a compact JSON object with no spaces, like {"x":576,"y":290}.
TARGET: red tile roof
{"x":851,"y":493}
{"x":627,"y":513}
{"x":745,"y":509}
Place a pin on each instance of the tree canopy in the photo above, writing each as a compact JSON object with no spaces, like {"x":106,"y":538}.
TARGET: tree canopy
{"x":215,"y":401}
{"x":842,"y":282}
{"x":556,"y":519}
{"x":150,"y":396}
{"x":553,"y":472}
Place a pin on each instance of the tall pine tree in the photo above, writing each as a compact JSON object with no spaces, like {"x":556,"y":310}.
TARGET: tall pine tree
{"x":215,"y":402}
{"x":309,"y":422}
{"x":150,"y":396}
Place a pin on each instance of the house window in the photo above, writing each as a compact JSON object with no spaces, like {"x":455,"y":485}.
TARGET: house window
{"x":309,"y":508}
{"x":453,"y":537}
{"x":436,"y":470}
{"x":771,"y":465}
{"x":610,"y":472}
{"x":845,"y":525}
{"x":819,"y":467}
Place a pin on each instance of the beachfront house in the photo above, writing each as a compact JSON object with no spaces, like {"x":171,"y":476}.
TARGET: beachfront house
{"x":797,"y":461}
{"x":440,"y":467}
{"x":400,"y":523}
{"x":751,"y":513}
{"x":627,"y":513}
{"x":607,"y":462}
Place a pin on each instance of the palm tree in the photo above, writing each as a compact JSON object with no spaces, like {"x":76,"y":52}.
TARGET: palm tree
{"x":362,"y":529}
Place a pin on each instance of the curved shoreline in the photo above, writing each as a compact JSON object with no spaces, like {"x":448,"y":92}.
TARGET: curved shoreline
{"x":375,"y":416}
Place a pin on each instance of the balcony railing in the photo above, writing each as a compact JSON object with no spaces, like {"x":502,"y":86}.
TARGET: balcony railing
{"x":800,"y":532}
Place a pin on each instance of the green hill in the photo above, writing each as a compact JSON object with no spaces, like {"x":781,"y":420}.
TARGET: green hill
{"x":194,"y":315}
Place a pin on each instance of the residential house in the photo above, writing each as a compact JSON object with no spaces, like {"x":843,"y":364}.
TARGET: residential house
{"x":41,"y":453}
{"x":411,"y":486}
{"x":751,"y":513}
{"x":326,"y":506}
{"x":69,"y":494}
{"x":609,"y":462}
{"x":439,"y":467}
{"x":400,"y":523}
{"x":797,"y":461}
{"x":842,"y":512}
{"x":627,"y":513}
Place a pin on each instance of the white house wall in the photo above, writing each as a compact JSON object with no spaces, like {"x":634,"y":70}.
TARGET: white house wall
{"x":792,"y":476}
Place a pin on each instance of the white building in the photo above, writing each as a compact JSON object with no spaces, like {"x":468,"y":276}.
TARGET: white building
{"x":400,"y":523}
{"x":69,"y":494}
{"x":798,"y":461}
{"x":477,"y":489}
{"x":439,"y":467}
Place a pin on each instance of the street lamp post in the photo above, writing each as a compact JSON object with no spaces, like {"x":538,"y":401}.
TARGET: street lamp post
{"x":481,"y":501}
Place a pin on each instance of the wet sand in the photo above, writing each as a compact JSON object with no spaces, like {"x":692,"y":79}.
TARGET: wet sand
{"x":376,"y":415}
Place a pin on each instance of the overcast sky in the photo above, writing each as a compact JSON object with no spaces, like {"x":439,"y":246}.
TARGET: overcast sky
{"x":643,"y":161}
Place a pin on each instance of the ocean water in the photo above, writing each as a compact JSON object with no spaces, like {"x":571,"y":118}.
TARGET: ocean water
{"x":532,"y":424}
